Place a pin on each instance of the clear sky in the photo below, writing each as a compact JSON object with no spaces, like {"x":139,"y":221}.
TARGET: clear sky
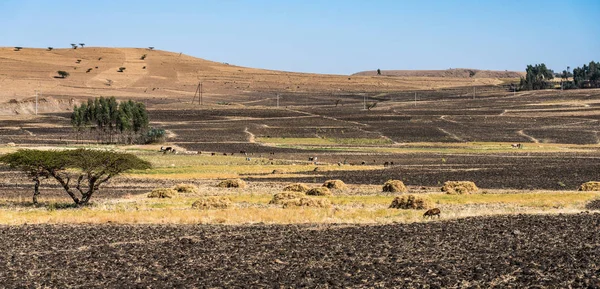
{"x":323,"y":36}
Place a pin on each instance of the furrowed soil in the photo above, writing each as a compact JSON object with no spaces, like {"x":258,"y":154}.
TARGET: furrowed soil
{"x":560,"y":251}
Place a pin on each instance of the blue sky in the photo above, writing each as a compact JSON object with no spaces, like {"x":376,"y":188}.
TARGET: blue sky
{"x":328,"y":36}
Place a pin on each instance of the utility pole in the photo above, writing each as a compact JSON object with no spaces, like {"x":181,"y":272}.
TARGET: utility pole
{"x":201,"y":99}
{"x":199,"y":93}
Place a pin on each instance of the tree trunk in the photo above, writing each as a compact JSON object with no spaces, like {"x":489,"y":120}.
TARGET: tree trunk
{"x":36,"y":190}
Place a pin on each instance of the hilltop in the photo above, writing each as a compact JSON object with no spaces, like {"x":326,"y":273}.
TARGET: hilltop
{"x":94,"y":71}
{"x":448,"y":73}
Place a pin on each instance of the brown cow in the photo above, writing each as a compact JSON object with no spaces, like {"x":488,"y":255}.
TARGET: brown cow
{"x":432,"y":212}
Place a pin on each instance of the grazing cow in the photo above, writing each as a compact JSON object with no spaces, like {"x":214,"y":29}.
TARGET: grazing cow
{"x":212,"y":154}
{"x":174,"y":151}
{"x":272,"y":153}
{"x":386,"y":164}
{"x":432,"y":212}
{"x":391,"y":163}
{"x":243,"y":152}
{"x":363,"y":163}
{"x":224,"y":154}
{"x":516,"y":146}
{"x":166,"y":149}
{"x":310,"y":159}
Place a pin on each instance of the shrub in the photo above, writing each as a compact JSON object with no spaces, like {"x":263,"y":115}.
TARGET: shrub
{"x":185,"y":188}
{"x":234,"y":183}
{"x":297,"y":187}
{"x":214,"y":202}
{"x":143,"y":57}
{"x":335,"y":184}
{"x":63,"y":74}
{"x":280,"y":198}
{"x":590,"y":186}
{"x":88,"y":70}
{"x":394,"y":186}
{"x":276,"y":172}
{"x":50,"y":48}
{"x":162,"y":193}
{"x":412,"y":202}
{"x":307,"y":202}
{"x":322,"y":191}
{"x":459,"y":187}
{"x":78,"y":61}
{"x":121,"y":69}
{"x":18,"y":48}
{"x":155,"y":135}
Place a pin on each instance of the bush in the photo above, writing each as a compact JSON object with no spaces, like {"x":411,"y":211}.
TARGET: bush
{"x":459,"y":187}
{"x":50,"y":48}
{"x":121,"y":69}
{"x":297,"y":187}
{"x":277,"y":172}
{"x":394,"y":186}
{"x":234,"y":183}
{"x":214,"y":202}
{"x":155,"y":135}
{"x":63,"y":74}
{"x":590,"y":186}
{"x":186,"y":188}
{"x":322,"y":191}
{"x":335,"y":184}
{"x":143,"y":57}
{"x":307,"y":202}
{"x":280,"y":198}
{"x":162,"y":193}
{"x":18,"y":48}
{"x":412,"y":202}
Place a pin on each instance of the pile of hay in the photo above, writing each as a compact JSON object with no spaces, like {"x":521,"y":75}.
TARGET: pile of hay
{"x":280,"y":198}
{"x":412,"y":202}
{"x":590,"y":186}
{"x":297,"y":187}
{"x":307,"y":202}
{"x":459,"y":187}
{"x":234,"y":183}
{"x":162,"y":193}
{"x":394,"y":186}
{"x":593,"y":205}
{"x":335,"y":184}
{"x":186,"y":188}
{"x":322,"y":191}
{"x":207,"y":203}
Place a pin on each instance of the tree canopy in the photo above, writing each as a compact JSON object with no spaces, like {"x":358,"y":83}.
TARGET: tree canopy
{"x":80,"y":172}
{"x":537,"y":77}
{"x":587,"y":76}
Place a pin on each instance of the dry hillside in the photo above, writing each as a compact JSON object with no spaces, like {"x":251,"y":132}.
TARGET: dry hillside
{"x":94,"y":71}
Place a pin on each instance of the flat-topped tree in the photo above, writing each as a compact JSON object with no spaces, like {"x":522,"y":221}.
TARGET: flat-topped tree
{"x":18,"y":48}
{"x":121,"y":69}
{"x":50,"y":48}
{"x":82,"y":45}
{"x":80,"y":172}
{"x":63,"y":74}
{"x":74,"y":45}
{"x":151,"y":48}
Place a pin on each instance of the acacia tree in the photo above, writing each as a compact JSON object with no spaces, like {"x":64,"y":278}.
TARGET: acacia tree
{"x":80,"y":172}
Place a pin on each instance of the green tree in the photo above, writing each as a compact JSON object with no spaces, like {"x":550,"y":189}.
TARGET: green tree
{"x":378,"y":71}
{"x":537,"y":77}
{"x":63,"y":74}
{"x":80,"y":172}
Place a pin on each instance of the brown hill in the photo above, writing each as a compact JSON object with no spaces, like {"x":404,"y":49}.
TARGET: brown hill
{"x":94,"y":71}
{"x":451,"y":73}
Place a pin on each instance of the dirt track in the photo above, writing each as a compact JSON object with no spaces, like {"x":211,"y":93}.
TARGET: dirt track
{"x":507,"y":251}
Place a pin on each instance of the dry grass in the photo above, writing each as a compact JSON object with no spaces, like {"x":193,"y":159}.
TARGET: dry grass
{"x":322,"y":191}
{"x":162,"y":193}
{"x":307,"y":202}
{"x":459,"y":187}
{"x":297,"y":187}
{"x":412,"y":202}
{"x":186,"y":188}
{"x":590,"y":186}
{"x":233,"y":183}
{"x":280,"y":198}
{"x":212,"y":202}
{"x":335,"y":184}
{"x":394,"y":186}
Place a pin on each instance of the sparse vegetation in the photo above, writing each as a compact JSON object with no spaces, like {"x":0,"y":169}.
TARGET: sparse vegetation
{"x":296,"y":188}
{"x":233,"y":183}
{"x":322,"y":191}
{"x":186,"y":188}
{"x":121,"y":69}
{"x":50,"y":48}
{"x":18,"y":48}
{"x":63,"y":74}
{"x":88,"y":70}
{"x":74,"y":46}
{"x":78,"y":61}
{"x":143,"y":57}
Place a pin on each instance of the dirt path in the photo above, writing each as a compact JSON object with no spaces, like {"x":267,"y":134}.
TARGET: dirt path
{"x":251,"y":136}
{"x":522,"y":133}
{"x":451,"y":134}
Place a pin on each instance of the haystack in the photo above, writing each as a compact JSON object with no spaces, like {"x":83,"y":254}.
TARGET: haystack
{"x":214,"y":202}
{"x":590,"y":186}
{"x":394,"y":186}
{"x":307,"y":202}
{"x":162,"y":193}
{"x":233,"y":183}
{"x":297,"y":187}
{"x":186,"y":188}
{"x":335,"y":184}
{"x":459,"y":187}
{"x":322,"y":191}
{"x":279,"y":198}
{"x":277,"y":172}
{"x":412,"y":202}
